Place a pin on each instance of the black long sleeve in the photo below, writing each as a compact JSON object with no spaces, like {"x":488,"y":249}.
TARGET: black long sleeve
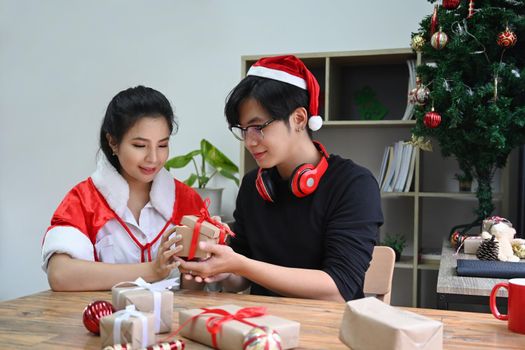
{"x":334,"y":229}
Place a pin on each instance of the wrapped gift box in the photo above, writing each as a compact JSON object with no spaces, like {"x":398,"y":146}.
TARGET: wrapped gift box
{"x":128,"y":326}
{"x":371,"y":324}
{"x":232,"y":332}
{"x":147,"y":297}
{"x":209,"y":233}
{"x":471,"y":244}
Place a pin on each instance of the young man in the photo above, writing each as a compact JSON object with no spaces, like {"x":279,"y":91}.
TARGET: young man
{"x":305,"y":222}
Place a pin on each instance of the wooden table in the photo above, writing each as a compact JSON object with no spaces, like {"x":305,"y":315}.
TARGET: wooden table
{"x":51,"y":320}
{"x":452,"y":288}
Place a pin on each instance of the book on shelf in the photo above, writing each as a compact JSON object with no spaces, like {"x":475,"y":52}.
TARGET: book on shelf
{"x":397,"y":168}
{"x":393,"y":165}
{"x":411,"y":170}
{"x":384,"y":164}
{"x":405,"y":165}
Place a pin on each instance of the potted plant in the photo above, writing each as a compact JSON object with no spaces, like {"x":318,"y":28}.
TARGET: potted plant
{"x":211,"y":162}
{"x":465,"y":181}
{"x":396,"y":242}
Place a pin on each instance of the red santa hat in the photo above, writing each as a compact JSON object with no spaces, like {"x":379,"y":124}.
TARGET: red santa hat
{"x":291,"y":70}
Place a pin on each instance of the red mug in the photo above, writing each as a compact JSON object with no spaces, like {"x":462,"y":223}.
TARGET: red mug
{"x":516,"y":304}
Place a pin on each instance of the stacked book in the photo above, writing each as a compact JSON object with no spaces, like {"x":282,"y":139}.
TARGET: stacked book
{"x":397,"y":167}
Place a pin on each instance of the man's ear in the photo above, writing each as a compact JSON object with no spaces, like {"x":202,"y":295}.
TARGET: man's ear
{"x":299,"y":118}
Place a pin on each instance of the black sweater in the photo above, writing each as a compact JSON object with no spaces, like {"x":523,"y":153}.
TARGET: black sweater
{"x":334,"y":229}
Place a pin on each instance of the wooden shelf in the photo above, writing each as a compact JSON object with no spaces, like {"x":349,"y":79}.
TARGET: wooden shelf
{"x":456,"y":195}
{"x":406,"y":262}
{"x":429,"y":266}
{"x":397,"y":194}
{"x":369,"y":123}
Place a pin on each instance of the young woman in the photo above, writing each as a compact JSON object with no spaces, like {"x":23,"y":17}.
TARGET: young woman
{"x":306,"y":222}
{"x":115,"y":226}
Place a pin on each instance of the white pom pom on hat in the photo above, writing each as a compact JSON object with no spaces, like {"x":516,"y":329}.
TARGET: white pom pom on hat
{"x":315,"y":122}
{"x":289,"y":69}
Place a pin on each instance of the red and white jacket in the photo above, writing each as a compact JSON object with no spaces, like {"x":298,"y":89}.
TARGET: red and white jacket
{"x":94,"y":223}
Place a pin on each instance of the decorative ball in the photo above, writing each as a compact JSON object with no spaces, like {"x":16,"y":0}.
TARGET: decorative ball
{"x":262,"y":338}
{"x":450,"y":4}
{"x":456,"y":239}
{"x":94,"y":312}
{"x":439,"y":40}
{"x":417,"y":42}
{"x":507,"y":38}
{"x":419,"y":95}
{"x":315,"y":122}
{"x":432,"y":119}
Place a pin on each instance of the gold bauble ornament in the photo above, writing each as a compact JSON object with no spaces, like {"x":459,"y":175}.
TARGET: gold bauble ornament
{"x":417,"y":42}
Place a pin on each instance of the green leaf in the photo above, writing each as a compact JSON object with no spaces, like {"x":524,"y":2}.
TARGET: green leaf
{"x":181,"y":161}
{"x":217,"y":159}
{"x":190,"y":180}
{"x":229,"y":176}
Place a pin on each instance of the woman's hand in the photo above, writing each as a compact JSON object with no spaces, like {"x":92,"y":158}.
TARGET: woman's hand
{"x":165,"y":261}
{"x":217,"y":267}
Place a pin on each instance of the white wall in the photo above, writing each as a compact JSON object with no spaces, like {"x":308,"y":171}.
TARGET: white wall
{"x":61,"y":61}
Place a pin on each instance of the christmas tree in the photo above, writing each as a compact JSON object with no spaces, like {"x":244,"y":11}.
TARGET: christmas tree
{"x":473,"y":73}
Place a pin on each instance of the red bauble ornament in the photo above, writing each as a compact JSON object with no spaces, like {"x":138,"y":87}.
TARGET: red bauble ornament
{"x":262,"y":338}
{"x":451,"y":4}
{"x":434,"y":20}
{"x":439,"y":40}
{"x":471,"y":10}
{"x":432,"y":119}
{"x":94,"y":312}
{"x":507,"y":38}
{"x":419,"y":95}
{"x":456,"y":240}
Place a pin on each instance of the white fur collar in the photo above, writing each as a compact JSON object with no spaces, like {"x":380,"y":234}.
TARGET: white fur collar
{"x":115,"y":189}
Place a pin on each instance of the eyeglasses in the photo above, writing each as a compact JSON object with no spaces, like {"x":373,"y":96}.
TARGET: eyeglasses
{"x":241,"y":133}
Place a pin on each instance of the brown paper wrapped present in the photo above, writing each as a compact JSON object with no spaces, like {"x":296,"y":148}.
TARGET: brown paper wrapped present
{"x":232,"y":331}
{"x":127,"y":326}
{"x":208,"y":233}
{"x":147,"y":297}
{"x":371,"y":324}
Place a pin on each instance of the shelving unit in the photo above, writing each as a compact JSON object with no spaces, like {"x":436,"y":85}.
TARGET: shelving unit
{"x":340,"y":74}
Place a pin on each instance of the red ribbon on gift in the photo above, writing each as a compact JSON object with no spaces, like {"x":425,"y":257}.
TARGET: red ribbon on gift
{"x":214,"y":323}
{"x":205,"y":216}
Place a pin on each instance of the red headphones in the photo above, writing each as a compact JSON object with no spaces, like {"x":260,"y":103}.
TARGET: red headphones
{"x":304,"y":180}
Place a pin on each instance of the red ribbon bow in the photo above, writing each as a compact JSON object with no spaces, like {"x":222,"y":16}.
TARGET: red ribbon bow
{"x":214,"y":323}
{"x":205,"y":216}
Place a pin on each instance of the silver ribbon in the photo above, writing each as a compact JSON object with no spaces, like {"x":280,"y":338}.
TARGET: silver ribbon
{"x":124,"y":315}
{"x":156,"y":288}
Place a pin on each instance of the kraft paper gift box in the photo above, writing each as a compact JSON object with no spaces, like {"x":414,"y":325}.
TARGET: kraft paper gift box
{"x":371,"y":324}
{"x":147,"y":297}
{"x":209,"y":233}
{"x":471,"y":244}
{"x":127,"y":326}
{"x":232,"y":332}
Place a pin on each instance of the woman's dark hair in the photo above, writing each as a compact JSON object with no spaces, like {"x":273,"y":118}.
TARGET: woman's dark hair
{"x":128,"y":107}
{"x":279,"y":99}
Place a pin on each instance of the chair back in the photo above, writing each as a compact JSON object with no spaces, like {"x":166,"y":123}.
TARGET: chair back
{"x":378,"y":277}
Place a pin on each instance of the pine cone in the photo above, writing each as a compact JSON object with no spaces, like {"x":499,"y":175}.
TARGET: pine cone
{"x":488,"y":249}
